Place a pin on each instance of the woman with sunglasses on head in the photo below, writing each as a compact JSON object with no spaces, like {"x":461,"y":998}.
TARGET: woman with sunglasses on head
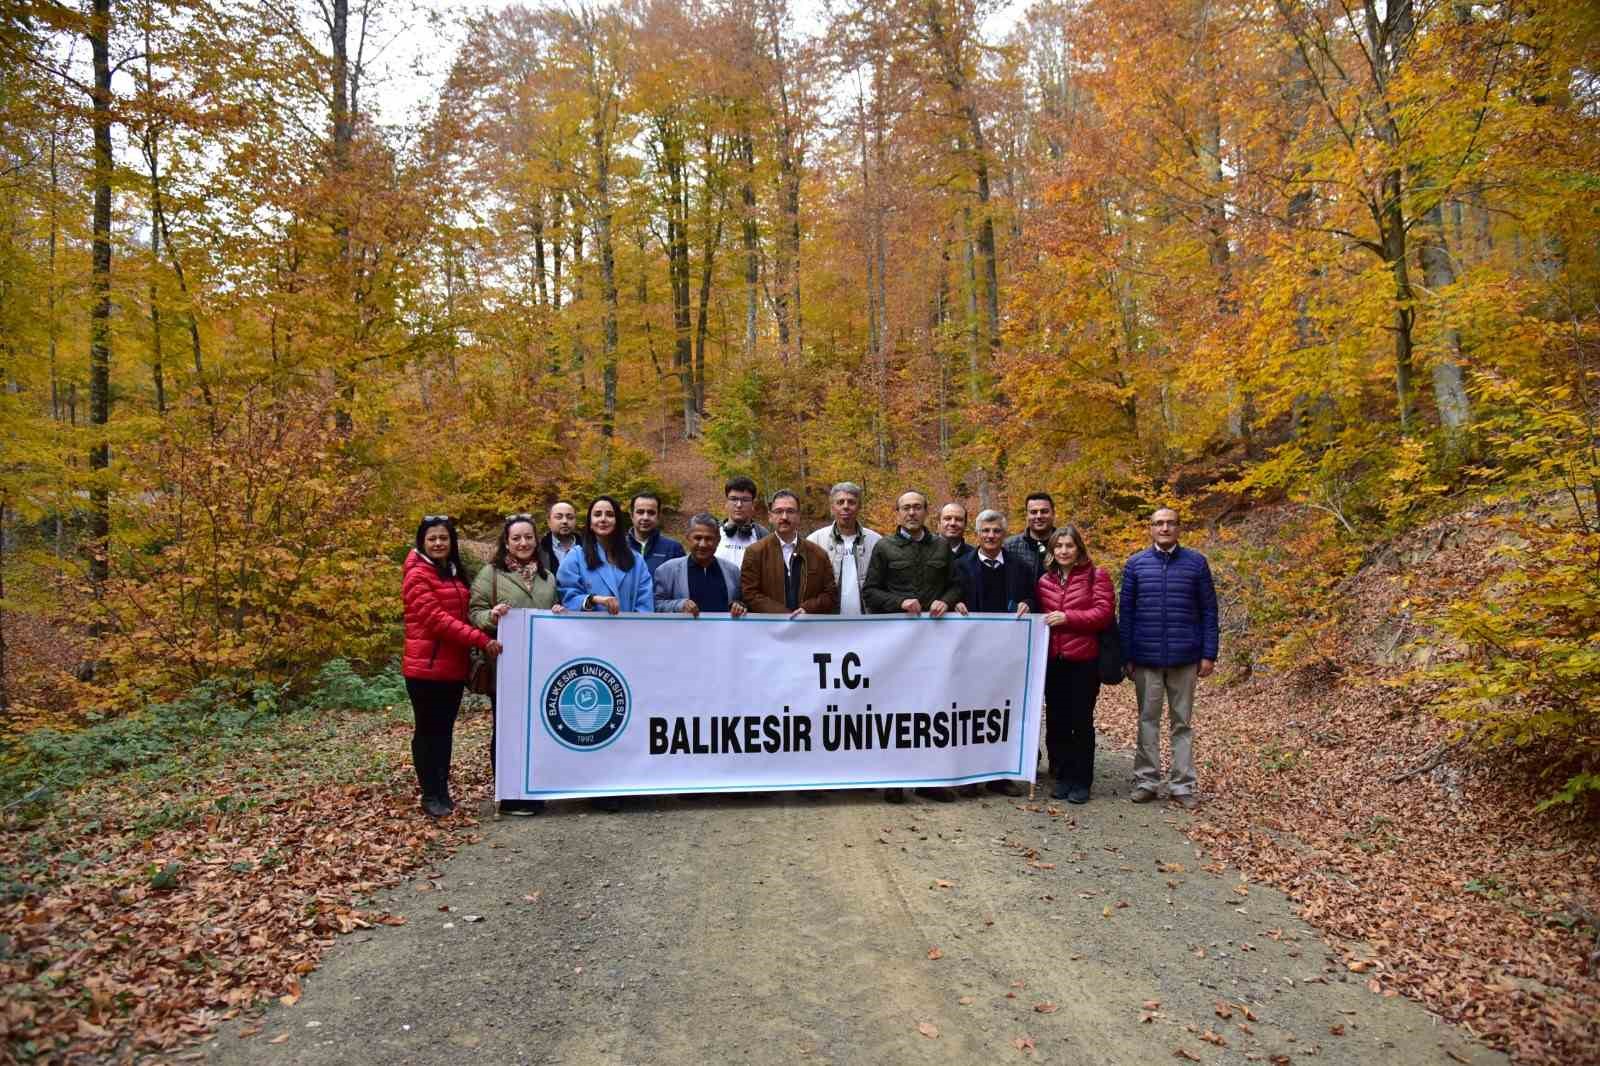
{"x":1076,"y":599}
{"x":435,"y":660}
{"x":605,"y":574}
{"x":514,"y":578}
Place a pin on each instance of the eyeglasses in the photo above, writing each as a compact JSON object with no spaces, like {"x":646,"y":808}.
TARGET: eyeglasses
{"x":520,"y":516}
{"x":741,"y":499}
{"x":436,"y":518}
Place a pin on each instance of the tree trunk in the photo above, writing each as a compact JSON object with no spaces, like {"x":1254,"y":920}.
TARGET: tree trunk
{"x":752,"y":248}
{"x":99,"y":531}
{"x":1438,"y":274}
{"x":786,"y":302}
{"x":956,"y":78}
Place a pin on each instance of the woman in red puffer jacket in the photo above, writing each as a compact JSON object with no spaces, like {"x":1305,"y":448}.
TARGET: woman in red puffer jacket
{"x":1077,"y":600}
{"x":435,"y":661}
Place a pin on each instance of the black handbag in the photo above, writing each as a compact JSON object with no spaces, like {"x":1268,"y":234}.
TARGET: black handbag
{"x":1110,"y":658}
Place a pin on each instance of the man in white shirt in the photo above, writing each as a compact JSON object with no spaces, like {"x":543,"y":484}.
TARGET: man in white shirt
{"x":848,"y":543}
{"x":741,"y":529}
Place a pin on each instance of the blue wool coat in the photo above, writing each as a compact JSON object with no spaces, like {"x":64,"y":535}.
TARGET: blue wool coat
{"x":1168,"y":614}
{"x":634,"y":589}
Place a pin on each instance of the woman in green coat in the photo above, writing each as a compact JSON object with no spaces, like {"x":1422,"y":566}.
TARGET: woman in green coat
{"x":513,"y":578}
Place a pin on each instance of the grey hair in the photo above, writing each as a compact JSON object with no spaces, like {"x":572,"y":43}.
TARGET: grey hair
{"x":846,"y":486}
{"x":704,"y":518}
{"x":991,"y":515}
{"x":780,"y":494}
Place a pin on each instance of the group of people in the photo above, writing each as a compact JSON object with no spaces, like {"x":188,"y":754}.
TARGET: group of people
{"x":1166,"y":619}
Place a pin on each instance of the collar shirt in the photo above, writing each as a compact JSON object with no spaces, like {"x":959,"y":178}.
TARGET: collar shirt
{"x":560,"y":550}
{"x":789,"y":547}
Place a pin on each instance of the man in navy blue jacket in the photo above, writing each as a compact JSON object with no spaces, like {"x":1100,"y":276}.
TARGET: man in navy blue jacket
{"x":1168,"y":622}
{"x":645,"y":535}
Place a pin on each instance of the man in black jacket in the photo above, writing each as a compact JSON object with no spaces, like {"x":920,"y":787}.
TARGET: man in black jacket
{"x":1028,"y":547}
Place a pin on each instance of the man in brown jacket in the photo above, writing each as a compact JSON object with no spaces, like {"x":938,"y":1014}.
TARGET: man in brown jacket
{"x":783,"y":573}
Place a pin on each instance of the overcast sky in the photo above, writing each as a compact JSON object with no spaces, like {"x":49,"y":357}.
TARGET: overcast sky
{"x":418,"y":44}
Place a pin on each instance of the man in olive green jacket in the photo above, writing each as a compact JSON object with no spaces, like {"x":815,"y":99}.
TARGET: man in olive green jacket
{"x":911,"y":572}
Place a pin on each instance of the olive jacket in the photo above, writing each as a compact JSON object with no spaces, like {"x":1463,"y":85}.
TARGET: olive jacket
{"x":903,"y":569}
{"x":493,"y":586}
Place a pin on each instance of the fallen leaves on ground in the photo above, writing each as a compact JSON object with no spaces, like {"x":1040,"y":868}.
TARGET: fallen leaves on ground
{"x":1447,"y":886}
{"x":928,"y":1029}
{"x":935,"y":953}
{"x":104,"y":964}
{"x":1024,"y":1044}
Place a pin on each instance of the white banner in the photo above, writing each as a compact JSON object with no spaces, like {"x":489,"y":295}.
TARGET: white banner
{"x":593,"y":705}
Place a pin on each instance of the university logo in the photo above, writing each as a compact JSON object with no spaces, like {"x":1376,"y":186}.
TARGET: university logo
{"x":586,"y":704}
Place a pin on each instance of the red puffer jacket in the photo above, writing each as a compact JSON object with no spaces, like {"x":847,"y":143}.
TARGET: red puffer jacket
{"x":437,"y":633}
{"x":1085,"y":598}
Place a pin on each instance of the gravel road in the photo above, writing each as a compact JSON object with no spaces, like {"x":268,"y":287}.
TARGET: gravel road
{"x":799,"y":929}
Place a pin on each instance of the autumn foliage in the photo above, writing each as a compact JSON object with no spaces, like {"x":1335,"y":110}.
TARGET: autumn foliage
{"x":1334,"y":262}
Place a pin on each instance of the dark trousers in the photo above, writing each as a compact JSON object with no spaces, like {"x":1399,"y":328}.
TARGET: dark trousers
{"x":434,"y":705}
{"x":1070,"y":691}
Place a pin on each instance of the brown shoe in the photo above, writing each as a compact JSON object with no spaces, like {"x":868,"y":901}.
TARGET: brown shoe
{"x":967,"y":791}
{"x":1142,"y":795}
{"x":1188,"y":801}
{"x":938,"y":793}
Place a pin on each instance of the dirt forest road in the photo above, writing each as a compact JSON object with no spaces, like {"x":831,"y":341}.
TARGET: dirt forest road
{"x":833,"y":928}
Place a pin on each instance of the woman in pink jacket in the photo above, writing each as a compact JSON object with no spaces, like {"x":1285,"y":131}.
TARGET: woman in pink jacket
{"x":435,"y":658}
{"x":1076,"y":599}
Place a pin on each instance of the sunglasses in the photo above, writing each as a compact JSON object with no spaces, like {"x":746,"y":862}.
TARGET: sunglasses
{"x":521,"y":516}
{"x":436,"y":518}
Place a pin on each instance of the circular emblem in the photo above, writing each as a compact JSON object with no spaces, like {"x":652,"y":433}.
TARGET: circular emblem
{"x":585,"y":704}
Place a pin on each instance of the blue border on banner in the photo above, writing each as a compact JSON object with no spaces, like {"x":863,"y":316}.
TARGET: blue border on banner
{"x":767,"y":786}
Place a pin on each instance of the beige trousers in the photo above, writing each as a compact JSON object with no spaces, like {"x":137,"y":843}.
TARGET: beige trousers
{"x":1173,"y":686}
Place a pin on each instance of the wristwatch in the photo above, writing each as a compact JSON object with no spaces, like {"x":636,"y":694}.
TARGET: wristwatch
{"x":588,"y":602}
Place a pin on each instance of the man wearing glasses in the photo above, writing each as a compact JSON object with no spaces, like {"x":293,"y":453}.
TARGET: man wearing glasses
{"x":913,"y":573}
{"x":741,"y":529}
{"x":1168,"y":618}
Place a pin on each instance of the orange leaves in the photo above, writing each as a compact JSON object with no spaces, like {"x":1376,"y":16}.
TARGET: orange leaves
{"x":928,"y":1029}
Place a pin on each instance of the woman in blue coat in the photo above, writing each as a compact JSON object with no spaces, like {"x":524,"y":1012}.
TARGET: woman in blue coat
{"x":606,"y":574}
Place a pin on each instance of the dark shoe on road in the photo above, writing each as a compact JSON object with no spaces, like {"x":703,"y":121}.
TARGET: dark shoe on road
{"x":1078,"y":795}
{"x":967,"y":791}
{"x":894,"y":795}
{"x":1008,"y":788}
{"x":434,"y":807}
{"x":1060,"y":792}
{"x":1142,"y":795}
{"x":608,"y":804}
{"x":938,"y":793}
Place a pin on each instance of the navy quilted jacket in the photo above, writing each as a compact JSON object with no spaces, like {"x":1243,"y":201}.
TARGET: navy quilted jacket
{"x":1168,"y":614}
